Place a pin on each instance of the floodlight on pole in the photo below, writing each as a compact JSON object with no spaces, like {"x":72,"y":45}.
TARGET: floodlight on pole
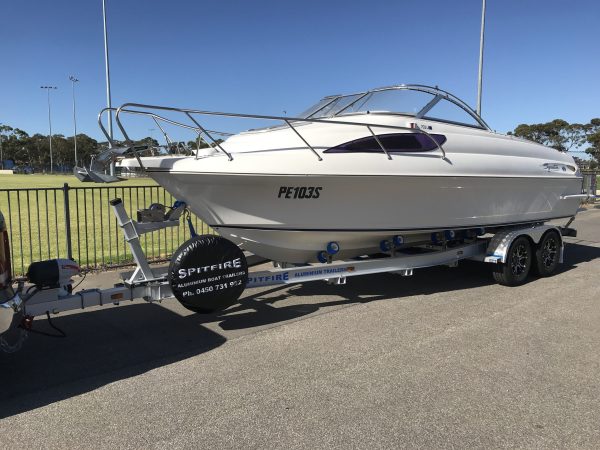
{"x":48,"y":89}
{"x":73,"y":81}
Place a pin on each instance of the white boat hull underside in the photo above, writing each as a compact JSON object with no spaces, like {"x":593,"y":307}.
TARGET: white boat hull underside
{"x":260,"y":213}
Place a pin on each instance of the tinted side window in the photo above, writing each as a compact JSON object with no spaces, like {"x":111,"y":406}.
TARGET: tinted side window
{"x":393,"y":143}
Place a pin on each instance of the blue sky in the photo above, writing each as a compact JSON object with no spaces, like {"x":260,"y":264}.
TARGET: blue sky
{"x":264,"y":57}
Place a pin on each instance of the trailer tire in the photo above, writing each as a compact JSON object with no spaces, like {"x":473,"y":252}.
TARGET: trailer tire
{"x":208,"y":273}
{"x":518,"y":263}
{"x":547,"y":254}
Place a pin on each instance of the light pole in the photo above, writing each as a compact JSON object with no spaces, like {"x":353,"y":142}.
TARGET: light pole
{"x":152,"y":130}
{"x":73,"y":81}
{"x":48,"y":89}
{"x":107,"y":67}
{"x":479,"y":80}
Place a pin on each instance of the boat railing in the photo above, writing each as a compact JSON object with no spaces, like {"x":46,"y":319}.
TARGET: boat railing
{"x":194,"y":125}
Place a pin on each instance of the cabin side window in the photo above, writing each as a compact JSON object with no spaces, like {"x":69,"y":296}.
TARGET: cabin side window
{"x":393,"y":143}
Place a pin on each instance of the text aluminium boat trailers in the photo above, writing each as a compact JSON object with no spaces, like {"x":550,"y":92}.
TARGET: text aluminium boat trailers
{"x":209,"y":273}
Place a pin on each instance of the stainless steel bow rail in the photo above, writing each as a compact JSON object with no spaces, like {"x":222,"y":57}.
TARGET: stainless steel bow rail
{"x":152,"y":284}
{"x":127,"y":147}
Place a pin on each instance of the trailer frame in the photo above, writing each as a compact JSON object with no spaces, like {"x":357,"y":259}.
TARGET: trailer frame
{"x":152,"y":284}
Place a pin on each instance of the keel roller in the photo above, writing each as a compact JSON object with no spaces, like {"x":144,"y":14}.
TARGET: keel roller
{"x":333,"y":248}
{"x":323,"y":257}
{"x":386,"y":245}
{"x":449,"y":235}
{"x":398,"y":240}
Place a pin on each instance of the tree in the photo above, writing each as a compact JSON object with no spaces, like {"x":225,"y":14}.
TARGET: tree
{"x":198,"y":143}
{"x":86,"y":148}
{"x":558,"y":134}
{"x":593,"y":139}
{"x":148,"y":141}
{"x":34,"y":150}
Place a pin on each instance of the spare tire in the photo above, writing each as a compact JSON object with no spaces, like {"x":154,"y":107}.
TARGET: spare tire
{"x":208,"y":273}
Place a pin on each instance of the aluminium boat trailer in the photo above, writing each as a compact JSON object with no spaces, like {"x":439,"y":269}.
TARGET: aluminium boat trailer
{"x":209,"y":273}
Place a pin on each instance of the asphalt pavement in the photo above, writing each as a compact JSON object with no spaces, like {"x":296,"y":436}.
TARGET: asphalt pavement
{"x":445,"y":358}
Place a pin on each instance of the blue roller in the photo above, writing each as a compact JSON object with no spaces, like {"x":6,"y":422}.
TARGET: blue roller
{"x":435,"y":238}
{"x":323,"y":257}
{"x":480,"y":231}
{"x":398,"y":240}
{"x":333,"y":247}
{"x":449,"y":235}
{"x":385,"y":246}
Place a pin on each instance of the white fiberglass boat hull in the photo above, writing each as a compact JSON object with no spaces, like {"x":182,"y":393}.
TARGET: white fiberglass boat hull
{"x":260,"y":213}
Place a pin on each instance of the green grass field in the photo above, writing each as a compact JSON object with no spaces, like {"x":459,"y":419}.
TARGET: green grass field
{"x":54,"y":181}
{"x":37,"y":222}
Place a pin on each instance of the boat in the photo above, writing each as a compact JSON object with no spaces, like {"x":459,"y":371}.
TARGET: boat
{"x":405,"y":163}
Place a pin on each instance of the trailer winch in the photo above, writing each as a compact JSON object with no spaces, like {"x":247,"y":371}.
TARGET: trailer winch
{"x":54,"y":273}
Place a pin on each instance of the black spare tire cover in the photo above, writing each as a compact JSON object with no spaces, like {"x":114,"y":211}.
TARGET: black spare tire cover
{"x":208,"y":273}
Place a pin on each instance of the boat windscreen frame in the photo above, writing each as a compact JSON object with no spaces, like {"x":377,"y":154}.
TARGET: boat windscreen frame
{"x":438,"y":95}
{"x":360,"y":94}
{"x":331,"y":98}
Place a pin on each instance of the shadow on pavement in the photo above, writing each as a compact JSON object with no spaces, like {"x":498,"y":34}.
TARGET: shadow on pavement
{"x":577,"y":254}
{"x":123,"y":342}
{"x":102,"y":346}
{"x":260,"y":310}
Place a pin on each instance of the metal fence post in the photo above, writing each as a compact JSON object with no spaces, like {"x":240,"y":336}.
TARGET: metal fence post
{"x":67,"y":220}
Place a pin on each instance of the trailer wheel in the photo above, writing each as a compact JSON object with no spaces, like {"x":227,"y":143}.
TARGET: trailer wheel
{"x":547,"y":254}
{"x":518,"y":263}
{"x":208,"y":273}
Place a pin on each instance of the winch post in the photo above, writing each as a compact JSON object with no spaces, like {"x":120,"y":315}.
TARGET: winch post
{"x":142,"y":272}
{"x":132,"y":230}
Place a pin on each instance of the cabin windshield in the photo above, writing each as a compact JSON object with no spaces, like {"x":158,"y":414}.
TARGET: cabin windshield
{"x":310,"y":112}
{"x":396,"y":101}
{"x":427,"y":104}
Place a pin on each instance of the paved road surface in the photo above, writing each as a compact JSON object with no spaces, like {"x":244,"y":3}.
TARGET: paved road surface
{"x":446,"y":358}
